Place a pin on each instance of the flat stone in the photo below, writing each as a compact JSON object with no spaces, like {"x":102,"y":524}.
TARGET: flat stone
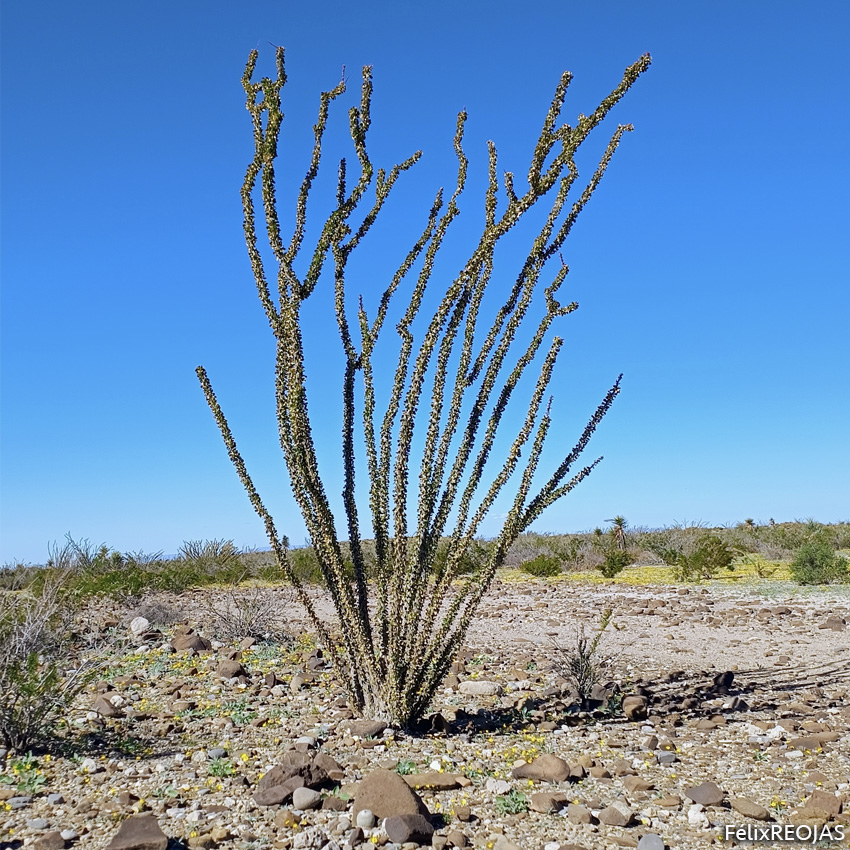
{"x":749,"y":809}
{"x":434,"y":780}
{"x":706,"y":794}
{"x":367,"y":728}
{"x":139,"y":832}
{"x":635,"y":783}
{"x":546,"y":803}
{"x":480,"y":688}
{"x":545,"y":768}
{"x":651,"y":841}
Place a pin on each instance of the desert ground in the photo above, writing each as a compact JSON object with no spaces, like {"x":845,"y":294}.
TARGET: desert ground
{"x":719,"y":705}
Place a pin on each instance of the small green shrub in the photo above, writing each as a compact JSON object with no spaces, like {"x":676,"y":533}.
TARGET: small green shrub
{"x":512,"y":803}
{"x":582,"y":664}
{"x":543,"y":566}
{"x":25,"y":775}
{"x":405,"y":767}
{"x":817,"y":562}
{"x":616,"y":560}
{"x":221,"y":767}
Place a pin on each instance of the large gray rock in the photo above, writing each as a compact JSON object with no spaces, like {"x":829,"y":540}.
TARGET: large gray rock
{"x":139,"y":832}
{"x":385,"y":794}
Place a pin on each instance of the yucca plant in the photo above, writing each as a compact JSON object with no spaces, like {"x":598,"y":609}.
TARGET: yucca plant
{"x":401,"y":620}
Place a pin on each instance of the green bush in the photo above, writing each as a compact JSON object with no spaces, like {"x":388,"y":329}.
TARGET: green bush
{"x":543,"y":566}
{"x":708,"y":557}
{"x":817,"y":562}
{"x":616,"y":560}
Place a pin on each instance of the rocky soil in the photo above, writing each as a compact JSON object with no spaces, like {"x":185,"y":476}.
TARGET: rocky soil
{"x":731,"y":707}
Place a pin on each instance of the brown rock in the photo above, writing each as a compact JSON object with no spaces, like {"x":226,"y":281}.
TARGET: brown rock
{"x":50,"y":841}
{"x":296,"y":771}
{"x":546,"y":803}
{"x":463,"y":813}
{"x":385,"y":793}
{"x":749,"y":809}
{"x":635,"y":783}
{"x":578,"y":814}
{"x":366,"y":728}
{"x":456,"y":838}
{"x":825,"y":801}
{"x":634,"y":707}
{"x":617,"y":814}
{"x":545,"y":768}
{"x":707,"y":794}
{"x":104,"y":707}
{"x":434,"y":780}
{"x":414,"y":828}
{"x":188,"y":640}
{"x":230,"y":669}
{"x":139,"y":832}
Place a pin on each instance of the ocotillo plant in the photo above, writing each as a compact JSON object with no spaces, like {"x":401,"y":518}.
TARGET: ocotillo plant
{"x":401,"y":620}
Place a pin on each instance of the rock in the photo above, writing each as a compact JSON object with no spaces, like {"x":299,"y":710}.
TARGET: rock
{"x":502,"y":843}
{"x":367,"y":728}
{"x":69,"y":834}
{"x":50,"y":841}
{"x":651,"y":841}
{"x":227,"y":669}
{"x":217,"y":752}
{"x":366,"y":819}
{"x":455,"y":838}
{"x":545,"y":768}
{"x":298,"y":770}
{"x":139,"y":832}
{"x":385,"y":794}
{"x":635,"y":783}
{"x":285,"y":819}
{"x":463,"y":813}
{"x":824,"y":801}
{"x":634,"y":707}
{"x":190,"y":640}
{"x":55,"y":799}
{"x":834,"y":623}
{"x":435,"y":781}
{"x":298,"y":681}
{"x":497,"y":786}
{"x":139,"y":625}
{"x":546,"y":803}
{"x":403,"y":828}
{"x":617,"y":814}
{"x":480,"y":688}
{"x":749,"y":809}
{"x":38,"y":823}
{"x":578,"y":814}
{"x":697,"y":817}
{"x":104,"y":707}
{"x":706,"y":794}
{"x":306,"y":798}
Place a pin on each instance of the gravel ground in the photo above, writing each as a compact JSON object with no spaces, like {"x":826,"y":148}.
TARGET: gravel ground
{"x":741,"y":687}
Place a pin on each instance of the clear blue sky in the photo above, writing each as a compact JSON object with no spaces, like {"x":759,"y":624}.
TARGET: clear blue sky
{"x":711,"y":267}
